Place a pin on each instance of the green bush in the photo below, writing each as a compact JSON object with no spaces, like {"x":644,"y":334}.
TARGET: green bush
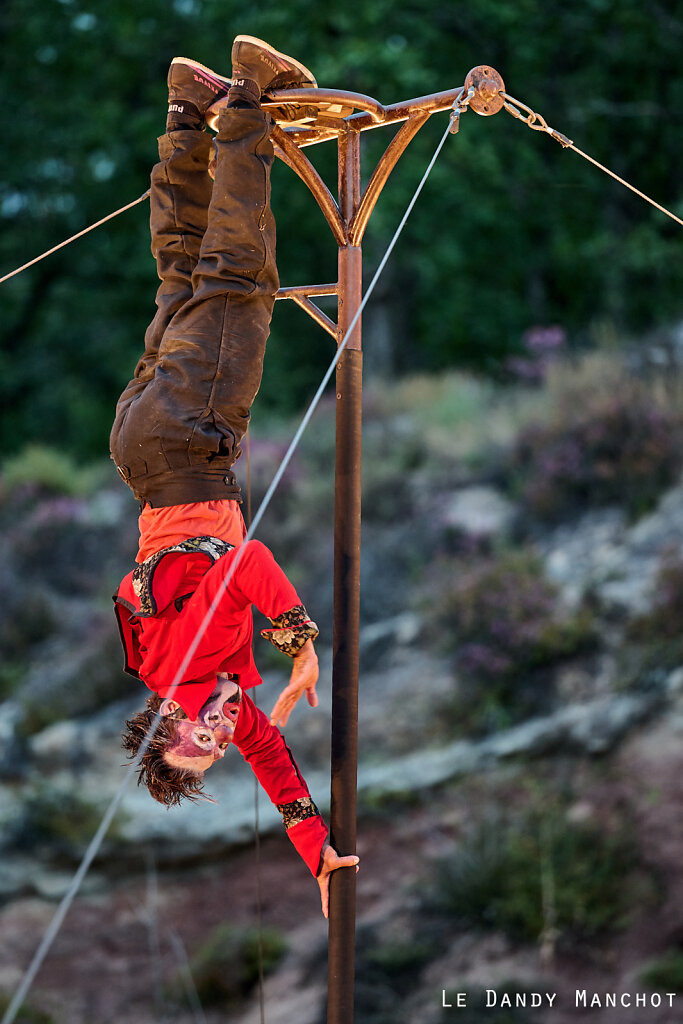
{"x":397,"y":961}
{"x":389,"y":972}
{"x":51,"y":470}
{"x":653,"y":643}
{"x":624,"y":451}
{"x":27,"y":1014}
{"x":11,"y":675}
{"x":662,"y":621}
{"x":386,"y":973}
{"x":501,"y":619}
{"x":665,"y":972}
{"x":226,"y":967}
{"x":538,"y":873}
{"x":62,"y":820}
{"x":25,"y":620}
{"x":79,"y":686}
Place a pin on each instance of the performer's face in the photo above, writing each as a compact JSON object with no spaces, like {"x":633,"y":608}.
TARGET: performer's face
{"x":201,"y":743}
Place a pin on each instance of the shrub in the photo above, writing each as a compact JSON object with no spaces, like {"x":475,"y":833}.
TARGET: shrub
{"x":539,"y":872}
{"x":665,"y":972}
{"x":387,"y":972}
{"x":70,"y":552}
{"x":624,"y":451}
{"x":226,"y":967}
{"x":654,"y":642}
{"x":76,"y":682}
{"x":502,"y":620}
{"x":397,"y":962}
{"x":27,"y":1014}
{"x":11,"y":675}
{"x":663,"y":620}
{"x":26,"y":618}
{"x":541,"y":346}
{"x":61,"y":820}
{"x":50,"y":470}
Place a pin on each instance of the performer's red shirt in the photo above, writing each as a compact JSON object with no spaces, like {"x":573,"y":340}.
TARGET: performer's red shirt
{"x":156,"y":639}
{"x":183,"y":587}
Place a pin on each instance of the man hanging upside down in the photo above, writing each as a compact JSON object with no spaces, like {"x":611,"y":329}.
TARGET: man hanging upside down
{"x":176,"y":435}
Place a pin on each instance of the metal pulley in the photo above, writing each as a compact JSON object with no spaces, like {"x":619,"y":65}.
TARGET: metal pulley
{"x":489,"y":90}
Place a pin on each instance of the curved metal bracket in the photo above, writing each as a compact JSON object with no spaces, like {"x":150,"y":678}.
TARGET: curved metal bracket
{"x":289,"y":153}
{"x":380,"y":175}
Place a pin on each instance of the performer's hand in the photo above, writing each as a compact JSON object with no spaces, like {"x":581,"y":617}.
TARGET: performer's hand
{"x":331,"y":861}
{"x":303,"y":678}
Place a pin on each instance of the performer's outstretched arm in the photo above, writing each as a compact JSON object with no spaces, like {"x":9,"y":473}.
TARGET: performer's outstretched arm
{"x":264,"y":748}
{"x":181,"y":751}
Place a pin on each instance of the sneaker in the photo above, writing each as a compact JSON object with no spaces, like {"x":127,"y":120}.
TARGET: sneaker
{"x":260,"y":62}
{"x":192,"y":90}
{"x":257,"y":61}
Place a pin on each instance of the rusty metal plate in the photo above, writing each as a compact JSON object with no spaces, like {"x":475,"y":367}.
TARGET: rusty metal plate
{"x":488,"y":89}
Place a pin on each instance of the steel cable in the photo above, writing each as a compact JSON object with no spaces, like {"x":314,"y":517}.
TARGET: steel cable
{"x":73,"y":238}
{"x":538,"y":123}
{"x":257,"y":830}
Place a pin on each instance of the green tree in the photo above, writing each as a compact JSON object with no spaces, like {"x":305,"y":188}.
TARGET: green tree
{"x":510,"y":232}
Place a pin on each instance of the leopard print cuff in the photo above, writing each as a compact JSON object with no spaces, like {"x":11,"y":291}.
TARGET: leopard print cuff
{"x":291,"y":631}
{"x":297,"y":811}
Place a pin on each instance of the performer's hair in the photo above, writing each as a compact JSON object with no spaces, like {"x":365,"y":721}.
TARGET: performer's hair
{"x":168,"y":785}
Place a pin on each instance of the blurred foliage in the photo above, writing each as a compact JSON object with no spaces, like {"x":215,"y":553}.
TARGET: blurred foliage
{"x":625,"y":451}
{"x":27,"y":1014}
{"x":63,"y":820}
{"x":46,"y":469}
{"x":542,"y":876}
{"x":387,"y":972}
{"x":665,"y":972}
{"x":511,"y":233}
{"x":79,"y":684}
{"x":662,"y":621}
{"x":390,"y":966}
{"x":501,"y":618}
{"x":11,"y":676}
{"x":226,"y":967}
{"x":653,"y":643}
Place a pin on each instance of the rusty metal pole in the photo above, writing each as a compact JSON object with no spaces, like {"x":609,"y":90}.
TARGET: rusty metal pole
{"x":347,"y":501}
{"x":348,"y":220}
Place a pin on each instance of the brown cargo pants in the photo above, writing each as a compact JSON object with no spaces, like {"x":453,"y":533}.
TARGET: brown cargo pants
{"x":181,"y":418}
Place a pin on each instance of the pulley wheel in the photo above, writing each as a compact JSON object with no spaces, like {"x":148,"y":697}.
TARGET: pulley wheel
{"x":488,"y":89}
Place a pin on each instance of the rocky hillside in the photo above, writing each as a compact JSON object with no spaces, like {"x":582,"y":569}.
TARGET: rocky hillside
{"x":521,"y":714}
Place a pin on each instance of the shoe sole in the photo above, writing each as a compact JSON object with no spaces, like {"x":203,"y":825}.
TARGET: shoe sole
{"x":213,"y":76}
{"x":271,"y":51}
